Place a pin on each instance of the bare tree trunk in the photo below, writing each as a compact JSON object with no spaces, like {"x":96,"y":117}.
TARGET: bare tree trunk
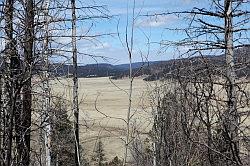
{"x":4,"y":122}
{"x":46,"y":89}
{"x":10,"y":81}
{"x":156,"y":139}
{"x":129,"y":46}
{"x":129,"y":110}
{"x":75,"y":85}
{"x":231,"y":116}
{"x":24,"y":147}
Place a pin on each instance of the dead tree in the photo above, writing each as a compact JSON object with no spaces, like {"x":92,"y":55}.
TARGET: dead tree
{"x":12,"y":87}
{"x":75,"y":85}
{"x":231,"y":117}
{"x":28,"y":44}
{"x":27,"y":35}
{"x":46,"y":88}
{"x":9,"y":85}
{"x":209,"y":31}
{"x":129,"y":46}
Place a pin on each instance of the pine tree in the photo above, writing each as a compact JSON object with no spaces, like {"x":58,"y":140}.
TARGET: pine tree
{"x":99,"y":156}
{"x":115,"y":162}
{"x":62,"y":138}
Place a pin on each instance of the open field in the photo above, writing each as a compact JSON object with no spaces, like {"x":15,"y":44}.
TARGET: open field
{"x":103,"y":109}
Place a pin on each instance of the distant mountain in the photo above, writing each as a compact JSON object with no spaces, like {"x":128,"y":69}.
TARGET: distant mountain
{"x":90,"y":70}
{"x":201,"y":65}
{"x":159,"y":69}
{"x":99,"y":69}
{"x":136,"y":65}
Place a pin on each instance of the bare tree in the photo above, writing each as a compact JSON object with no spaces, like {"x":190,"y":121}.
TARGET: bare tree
{"x":46,"y":88}
{"x":129,"y":47}
{"x":27,"y":29}
{"x":215,"y":117}
{"x":231,"y":117}
{"x":75,"y":85}
{"x":28,"y":43}
{"x":10,"y":84}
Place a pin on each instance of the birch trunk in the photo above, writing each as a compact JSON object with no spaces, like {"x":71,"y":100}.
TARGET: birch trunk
{"x":75,"y":85}
{"x":46,"y":88}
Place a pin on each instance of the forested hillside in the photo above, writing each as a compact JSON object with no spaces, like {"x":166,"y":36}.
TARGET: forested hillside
{"x":159,"y":69}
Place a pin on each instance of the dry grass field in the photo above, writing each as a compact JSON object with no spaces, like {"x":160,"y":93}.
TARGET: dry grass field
{"x":103,"y":106}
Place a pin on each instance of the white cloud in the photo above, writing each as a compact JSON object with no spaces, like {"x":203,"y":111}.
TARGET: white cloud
{"x":157,"y":21}
{"x":137,"y":10}
{"x":101,"y":46}
{"x":186,"y":1}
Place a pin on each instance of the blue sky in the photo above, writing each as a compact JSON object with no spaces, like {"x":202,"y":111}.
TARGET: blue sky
{"x":148,"y":32}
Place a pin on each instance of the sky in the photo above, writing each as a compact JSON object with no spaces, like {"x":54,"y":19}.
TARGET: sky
{"x":109,"y":46}
{"x":148,"y":31}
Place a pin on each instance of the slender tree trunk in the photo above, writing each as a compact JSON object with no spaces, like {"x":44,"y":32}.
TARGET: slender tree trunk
{"x":46,"y":89}
{"x":231,"y":116}
{"x":129,"y":45}
{"x":75,"y":85}
{"x":4,"y":123}
{"x":10,"y":79}
{"x":24,"y":148}
{"x":129,"y":111}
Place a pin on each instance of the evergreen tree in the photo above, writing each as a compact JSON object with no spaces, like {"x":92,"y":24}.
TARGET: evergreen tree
{"x":62,"y":138}
{"x":99,"y":156}
{"x":115,"y":162}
